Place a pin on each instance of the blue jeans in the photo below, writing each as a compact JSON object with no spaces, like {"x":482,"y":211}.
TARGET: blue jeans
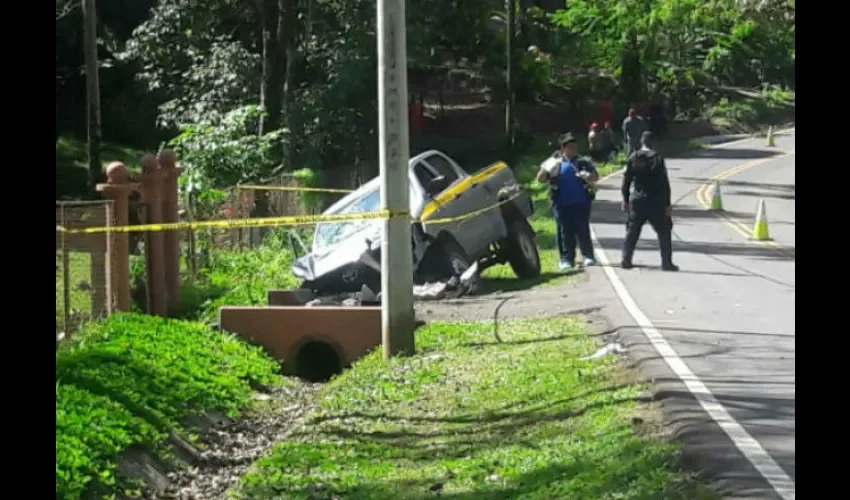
{"x":572,"y":225}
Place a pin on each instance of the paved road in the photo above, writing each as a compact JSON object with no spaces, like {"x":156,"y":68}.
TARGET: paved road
{"x":729,"y":314}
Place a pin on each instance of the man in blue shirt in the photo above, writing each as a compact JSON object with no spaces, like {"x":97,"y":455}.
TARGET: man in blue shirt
{"x":571,"y":190}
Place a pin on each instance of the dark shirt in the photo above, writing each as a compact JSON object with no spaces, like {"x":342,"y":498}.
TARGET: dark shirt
{"x":633,"y":127}
{"x":651,"y":183}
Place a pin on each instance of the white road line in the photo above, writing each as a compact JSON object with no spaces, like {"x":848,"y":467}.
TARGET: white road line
{"x":746,"y":444}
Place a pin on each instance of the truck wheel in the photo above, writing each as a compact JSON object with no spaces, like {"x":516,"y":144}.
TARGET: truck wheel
{"x":455,"y":257}
{"x":443,"y":260}
{"x":521,"y":250}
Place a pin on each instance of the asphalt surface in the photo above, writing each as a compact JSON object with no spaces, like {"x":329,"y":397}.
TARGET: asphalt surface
{"x":729,"y":313}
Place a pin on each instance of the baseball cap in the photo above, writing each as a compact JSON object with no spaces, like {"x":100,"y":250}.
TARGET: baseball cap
{"x":566,"y":139}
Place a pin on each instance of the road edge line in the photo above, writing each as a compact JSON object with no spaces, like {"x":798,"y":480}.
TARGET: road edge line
{"x":749,"y":447}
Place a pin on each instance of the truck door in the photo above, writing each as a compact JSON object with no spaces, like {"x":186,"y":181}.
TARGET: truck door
{"x":470,"y":196}
{"x":443,"y":205}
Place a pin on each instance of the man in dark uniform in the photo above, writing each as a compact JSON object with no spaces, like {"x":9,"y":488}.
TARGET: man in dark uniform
{"x":650,"y":201}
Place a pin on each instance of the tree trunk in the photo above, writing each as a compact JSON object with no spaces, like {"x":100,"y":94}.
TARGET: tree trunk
{"x":288,"y":40}
{"x":271,"y":86}
{"x":96,"y":173}
{"x":273,"y":66}
{"x":509,"y":84}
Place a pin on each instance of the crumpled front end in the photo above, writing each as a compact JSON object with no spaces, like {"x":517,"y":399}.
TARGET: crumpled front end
{"x":344,"y":269}
{"x":348,"y":266}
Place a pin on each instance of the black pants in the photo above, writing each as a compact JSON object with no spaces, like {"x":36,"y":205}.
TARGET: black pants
{"x":641,"y":212}
{"x":575,"y":226}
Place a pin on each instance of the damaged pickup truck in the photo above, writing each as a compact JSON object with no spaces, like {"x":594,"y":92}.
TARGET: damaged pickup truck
{"x":344,"y":256}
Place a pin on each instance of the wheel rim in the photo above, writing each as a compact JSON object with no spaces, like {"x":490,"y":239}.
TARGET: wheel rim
{"x":527,"y":248}
{"x":458,"y":264}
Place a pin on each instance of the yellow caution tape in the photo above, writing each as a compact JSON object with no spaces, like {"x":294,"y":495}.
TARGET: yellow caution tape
{"x":237,"y":223}
{"x":253,"y":187}
{"x":297,"y":220}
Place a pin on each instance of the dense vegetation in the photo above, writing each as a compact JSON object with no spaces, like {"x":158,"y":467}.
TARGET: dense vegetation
{"x":245,"y":90}
{"x":131,"y":380}
{"x":200,"y":72}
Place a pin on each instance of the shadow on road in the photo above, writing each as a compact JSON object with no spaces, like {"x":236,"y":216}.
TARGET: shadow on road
{"x":706,"y":248}
{"x":495,"y":285}
{"x":763,"y":194}
{"x":724,"y":154}
{"x":611,"y":212}
{"x":785,"y":188}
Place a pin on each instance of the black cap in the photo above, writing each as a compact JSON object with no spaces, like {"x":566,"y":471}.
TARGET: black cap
{"x":566,"y":139}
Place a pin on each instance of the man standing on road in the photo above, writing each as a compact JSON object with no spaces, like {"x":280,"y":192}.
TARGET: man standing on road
{"x":571,"y":189}
{"x":633,"y":127}
{"x":650,"y":202}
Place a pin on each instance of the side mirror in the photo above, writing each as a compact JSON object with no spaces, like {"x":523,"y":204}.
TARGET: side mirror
{"x":436,"y":185}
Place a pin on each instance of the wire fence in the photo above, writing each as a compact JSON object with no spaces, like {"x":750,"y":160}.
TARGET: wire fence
{"x":82,"y":265}
{"x":282,"y":196}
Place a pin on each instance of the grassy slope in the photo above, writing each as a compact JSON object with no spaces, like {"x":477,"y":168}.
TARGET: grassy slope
{"x":131,"y":379}
{"x":477,"y":419}
{"x":72,"y":151}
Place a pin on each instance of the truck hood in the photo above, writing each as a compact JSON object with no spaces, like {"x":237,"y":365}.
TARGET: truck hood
{"x":357,"y":247}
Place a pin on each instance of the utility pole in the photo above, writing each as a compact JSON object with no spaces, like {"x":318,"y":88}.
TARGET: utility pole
{"x":96,"y":174}
{"x":397,"y":320}
{"x":510,"y":36}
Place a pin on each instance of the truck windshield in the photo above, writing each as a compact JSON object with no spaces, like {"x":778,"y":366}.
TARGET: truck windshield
{"x":330,"y":233}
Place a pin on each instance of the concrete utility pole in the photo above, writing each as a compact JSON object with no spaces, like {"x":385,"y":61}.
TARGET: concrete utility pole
{"x":396,"y":255}
{"x":96,"y":174}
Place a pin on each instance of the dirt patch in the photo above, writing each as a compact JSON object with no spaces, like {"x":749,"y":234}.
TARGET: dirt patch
{"x":229,"y":448}
{"x":567,"y":298}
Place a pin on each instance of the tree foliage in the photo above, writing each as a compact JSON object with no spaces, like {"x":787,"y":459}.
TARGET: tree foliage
{"x":197,"y":62}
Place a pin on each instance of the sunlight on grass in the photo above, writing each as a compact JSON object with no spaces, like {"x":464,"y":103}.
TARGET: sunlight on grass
{"x":72,"y":151}
{"x":473,"y":418}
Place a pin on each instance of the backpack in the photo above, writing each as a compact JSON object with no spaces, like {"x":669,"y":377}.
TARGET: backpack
{"x":644,"y":162}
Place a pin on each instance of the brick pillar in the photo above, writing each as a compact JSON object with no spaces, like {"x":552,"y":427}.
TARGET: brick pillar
{"x":152,"y":180}
{"x":118,"y":189}
{"x":170,"y":213}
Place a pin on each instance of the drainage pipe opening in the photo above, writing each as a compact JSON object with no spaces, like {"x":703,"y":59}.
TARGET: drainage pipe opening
{"x":317,"y":362}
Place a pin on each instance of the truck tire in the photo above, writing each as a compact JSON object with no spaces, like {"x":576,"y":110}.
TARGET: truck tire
{"x":455,"y":257}
{"x":521,"y":249}
{"x":444,"y":259}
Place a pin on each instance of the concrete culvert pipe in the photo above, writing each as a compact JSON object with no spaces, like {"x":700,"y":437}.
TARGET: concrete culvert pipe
{"x":317,"y":362}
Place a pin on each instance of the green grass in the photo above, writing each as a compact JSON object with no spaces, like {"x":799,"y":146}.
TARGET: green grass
{"x":752,"y":112}
{"x":72,"y":151}
{"x":478,"y":419}
{"x":131,"y":379}
{"x":79,"y":270}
